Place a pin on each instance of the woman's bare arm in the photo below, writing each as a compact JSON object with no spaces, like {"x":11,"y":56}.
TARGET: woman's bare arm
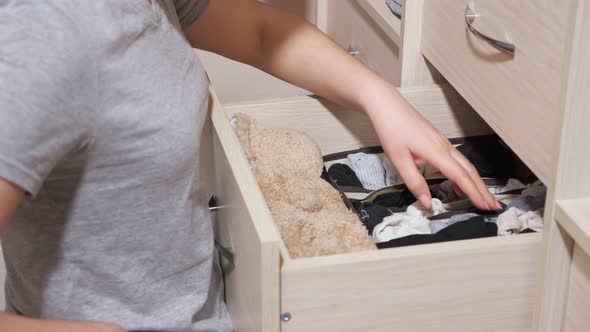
{"x":288,"y":47}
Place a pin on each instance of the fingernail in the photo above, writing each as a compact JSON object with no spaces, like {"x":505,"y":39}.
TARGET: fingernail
{"x":499,"y":206}
{"x":425,"y":201}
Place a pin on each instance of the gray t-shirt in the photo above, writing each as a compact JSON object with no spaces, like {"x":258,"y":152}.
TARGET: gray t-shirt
{"x":103,"y":106}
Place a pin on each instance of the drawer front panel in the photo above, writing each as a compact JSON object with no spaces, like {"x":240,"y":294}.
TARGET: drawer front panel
{"x":519,"y":96}
{"x":351,"y":27}
{"x":473,"y":285}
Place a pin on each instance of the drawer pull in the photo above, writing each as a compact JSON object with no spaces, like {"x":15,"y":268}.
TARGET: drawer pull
{"x":502,"y":46}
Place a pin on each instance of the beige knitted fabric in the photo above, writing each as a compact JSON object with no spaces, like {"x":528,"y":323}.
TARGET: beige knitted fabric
{"x":309,"y":212}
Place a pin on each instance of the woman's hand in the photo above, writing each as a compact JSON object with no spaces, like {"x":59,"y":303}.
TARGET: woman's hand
{"x":409,"y":139}
{"x":286,"y":46}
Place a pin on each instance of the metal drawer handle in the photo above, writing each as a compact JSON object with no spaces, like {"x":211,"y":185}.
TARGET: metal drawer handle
{"x":502,"y":46}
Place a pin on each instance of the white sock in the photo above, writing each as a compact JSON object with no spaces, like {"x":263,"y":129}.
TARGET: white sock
{"x":413,"y":221}
{"x":515,"y":220}
{"x":369,"y":169}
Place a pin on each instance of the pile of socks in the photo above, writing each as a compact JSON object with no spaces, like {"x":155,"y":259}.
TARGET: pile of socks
{"x":369,"y":171}
{"x":394,"y":218}
{"x":491,"y":158}
{"x":525,"y":212}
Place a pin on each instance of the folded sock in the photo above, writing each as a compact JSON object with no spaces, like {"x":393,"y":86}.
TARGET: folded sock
{"x":531,"y":199}
{"x":473,"y":228}
{"x":443,"y":220}
{"x":512,"y":184}
{"x":438,"y":225}
{"x":343,"y":175}
{"x":371,"y":214}
{"x":514,"y":221}
{"x":461,"y":217}
{"x":447,"y":215}
{"x":396,"y":199}
{"x":536,"y":188}
{"x":490,"y":157}
{"x":413,"y":221}
{"x":369,"y":170}
{"x":445,"y":192}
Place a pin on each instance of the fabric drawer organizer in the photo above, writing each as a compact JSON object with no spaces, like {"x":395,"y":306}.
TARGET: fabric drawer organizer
{"x":393,"y":218}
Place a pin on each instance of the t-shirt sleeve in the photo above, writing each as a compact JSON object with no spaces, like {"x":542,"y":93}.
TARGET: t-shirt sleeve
{"x":188,"y":11}
{"x":46,"y":97}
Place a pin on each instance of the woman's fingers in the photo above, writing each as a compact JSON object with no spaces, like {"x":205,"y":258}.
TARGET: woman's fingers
{"x":405,"y":165}
{"x":416,"y":142}
{"x":418,"y":161}
{"x":457,"y":174}
{"x":481,"y":186}
{"x":458,"y":190}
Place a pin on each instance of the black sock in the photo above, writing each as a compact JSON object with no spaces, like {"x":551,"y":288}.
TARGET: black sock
{"x":343,"y":175}
{"x":473,"y":228}
{"x":371,"y":214}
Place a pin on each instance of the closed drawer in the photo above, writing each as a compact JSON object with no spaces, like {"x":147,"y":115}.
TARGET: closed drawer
{"x":484,"y":285}
{"x":353,"y":29}
{"x":519,"y":96}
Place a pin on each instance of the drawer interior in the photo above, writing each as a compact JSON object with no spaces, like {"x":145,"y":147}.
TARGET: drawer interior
{"x":336,"y":129}
{"x":462,"y":285}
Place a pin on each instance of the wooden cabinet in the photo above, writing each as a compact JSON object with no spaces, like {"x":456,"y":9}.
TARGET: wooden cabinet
{"x":461,"y":285}
{"x":349,"y":25}
{"x":517,"y":94}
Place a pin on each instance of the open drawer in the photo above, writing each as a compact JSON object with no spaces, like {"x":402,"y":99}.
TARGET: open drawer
{"x":484,"y":284}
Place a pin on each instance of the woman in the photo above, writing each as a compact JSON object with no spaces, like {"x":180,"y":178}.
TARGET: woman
{"x":99,"y":107}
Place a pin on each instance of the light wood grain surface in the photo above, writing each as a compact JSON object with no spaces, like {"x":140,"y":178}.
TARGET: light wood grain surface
{"x":473,"y":285}
{"x":577,"y":318}
{"x":351,"y":27}
{"x":520,"y":96}
{"x":244,"y":225}
{"x":570,"y":181}
{"x":415,"y":70}
{"x":384,"y":18}
{"x":336,"y":128}
{"x":574,"y":216}
{"x":321,"y":20}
